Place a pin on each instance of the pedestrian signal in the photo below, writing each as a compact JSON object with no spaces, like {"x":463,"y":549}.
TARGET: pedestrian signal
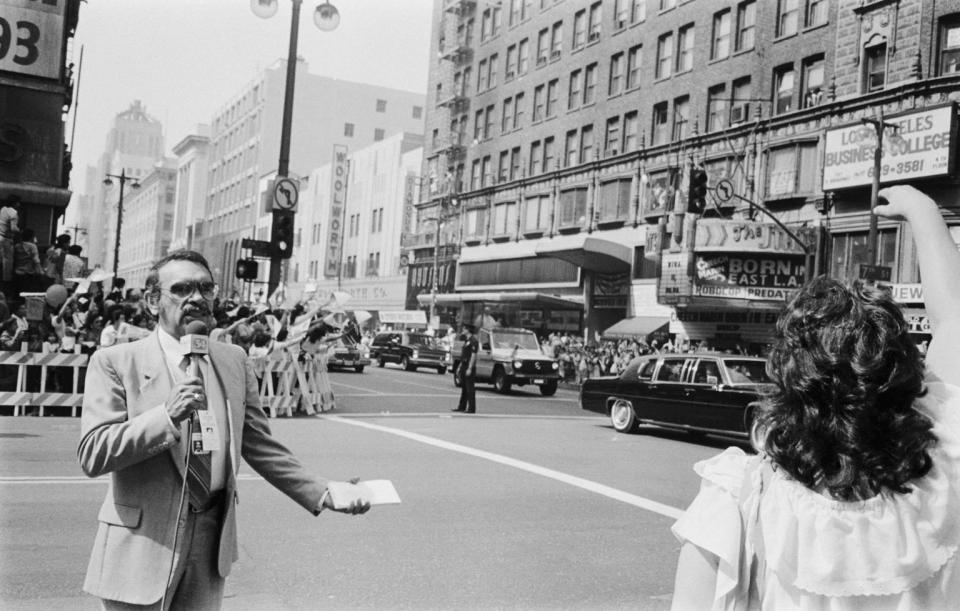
{"x":247,"y":269}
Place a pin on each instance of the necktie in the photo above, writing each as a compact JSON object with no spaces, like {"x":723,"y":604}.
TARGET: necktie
{"x":198,"y":471}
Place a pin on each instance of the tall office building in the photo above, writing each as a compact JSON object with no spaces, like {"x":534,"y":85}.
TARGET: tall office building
{"x":568,"y":130}
{"x":146,"y":228}
{"x":133,"y":145}
{"x":245,"y":144}
{"x":192,"y":159}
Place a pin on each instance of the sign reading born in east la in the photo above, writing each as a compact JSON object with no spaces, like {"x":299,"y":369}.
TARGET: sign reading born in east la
{"x":746,"y":260}
{"x":920,"y":146}
{"x":31,"y":37}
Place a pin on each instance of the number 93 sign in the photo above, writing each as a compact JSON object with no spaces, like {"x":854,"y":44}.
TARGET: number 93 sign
{"x":31,"y":37}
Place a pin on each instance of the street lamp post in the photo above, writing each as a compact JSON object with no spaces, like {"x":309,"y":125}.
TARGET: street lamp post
{"x":327,"y":18}
{"x":123,"y":178}
{"x":879,"y":126}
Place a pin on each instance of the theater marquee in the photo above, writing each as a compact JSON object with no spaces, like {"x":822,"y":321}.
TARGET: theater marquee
{"x":921,"y":146}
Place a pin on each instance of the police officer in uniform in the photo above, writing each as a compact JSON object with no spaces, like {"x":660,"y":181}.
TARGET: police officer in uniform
{"x":468,"y":371}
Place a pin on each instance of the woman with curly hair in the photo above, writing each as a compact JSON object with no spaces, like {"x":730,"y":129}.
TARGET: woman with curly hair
{"x":853,"y":501}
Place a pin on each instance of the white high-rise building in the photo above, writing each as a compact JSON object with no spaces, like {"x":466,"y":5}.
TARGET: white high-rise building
{"x":147,"y":224}
{"x":245,"y":146}
{"x":192,"y":159}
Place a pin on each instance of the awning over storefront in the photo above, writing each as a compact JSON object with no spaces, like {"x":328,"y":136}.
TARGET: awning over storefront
{"x":497,"y":252}
{"x":638,"y":327}
{"x":588,"y":252}
{"x":566,"y":302}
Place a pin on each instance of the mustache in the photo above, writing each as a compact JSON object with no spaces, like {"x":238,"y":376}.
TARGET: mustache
{"x":196,"y":309}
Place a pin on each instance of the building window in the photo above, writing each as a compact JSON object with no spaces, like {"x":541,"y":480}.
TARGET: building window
{"x":812,"y":81}
{"x":518,"y":111}
{"x":783,"y":80}
{"x":515,"y":163}
{"x":631,"y":133}
{"x":492,"y":74}
{"x":556,"y":40}
{"x":596,"y":20}
{"x":949,"y":60}
{"x":503,"y":167}
{"x":573,"y":96}
{"x":536,"y":152}
{"x":721,"y":35}
{"x":381,"y":106}
{"x":478,"y":125}
{"x":638,"y":10}
{"x":579,"y":28}
{"x":485,"y":175}
{"x":643,"y":267}
{"x":504,"y":219}
{"x":586,"y":144}
{"x":475,"y":174}
{"x":538,"y":101}
{"x":611,"y":138}
{"x":570,"y":148}
{"x":621,"y":14}
{"x":348,"y":130}
{"x":716,"y":108}
{"x":549,"y":154}
{"x":875,"y":67}
{"x":542,"y":46}
{"x":506,"y":118}
{"x":615,"y":81}
{"x":523,"y":57}
{"x":788,"y":17}
{"x":590,"y":83}
{"x":496,"y":22}
{"x":417,"y":112}
{"x":634,"y":55}
{"x":849,"y":250}
{"x":664,"y":55}
{"x":816,"y":12}
{"x":475,"y":222}
{"x":536,"y":216}
{"x":573,"y":207}
{"x":552,"y":94}
{"x":685,"y":41}
{"x":681,"y":117}
{"x":482,"y":75}
{"x":511,"y":65}
{"x":667,"y":4}
{"x":378,"y":134}
{"x":488,"y":122}
{"x":661,"y":134}
{"x":746,"y":25}
{"x":740,"y":102}
{"x":792,"y":170}
{"x":515,"y":10}
{"x":614,"y":200}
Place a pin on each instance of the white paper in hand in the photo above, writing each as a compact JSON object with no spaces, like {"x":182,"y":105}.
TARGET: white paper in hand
{"x":376,"y":491}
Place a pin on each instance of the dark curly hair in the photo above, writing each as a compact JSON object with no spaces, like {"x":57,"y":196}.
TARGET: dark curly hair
{"x":846,"y":374}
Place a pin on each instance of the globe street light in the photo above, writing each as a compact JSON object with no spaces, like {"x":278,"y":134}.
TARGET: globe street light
{"x":326,"y":18}
{"x":123,"y":178}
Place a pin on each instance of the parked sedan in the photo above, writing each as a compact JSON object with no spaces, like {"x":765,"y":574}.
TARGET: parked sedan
{"x":410,"y":349}
{"x":698,"y":392}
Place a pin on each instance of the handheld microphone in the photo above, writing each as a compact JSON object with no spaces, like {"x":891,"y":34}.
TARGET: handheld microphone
{"x":195,"y":344}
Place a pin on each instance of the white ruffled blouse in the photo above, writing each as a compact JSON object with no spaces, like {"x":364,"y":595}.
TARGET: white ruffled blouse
{"x":893,"y":551}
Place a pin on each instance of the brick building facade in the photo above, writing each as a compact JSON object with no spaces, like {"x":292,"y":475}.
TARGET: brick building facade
{"x":565,"y":132}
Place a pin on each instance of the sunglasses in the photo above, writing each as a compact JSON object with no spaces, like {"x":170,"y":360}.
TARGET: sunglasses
{"x":186,"y":288}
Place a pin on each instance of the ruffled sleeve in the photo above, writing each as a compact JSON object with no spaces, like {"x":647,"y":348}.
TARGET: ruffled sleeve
{"x":713,"y":523}
{"x":886,"y":545}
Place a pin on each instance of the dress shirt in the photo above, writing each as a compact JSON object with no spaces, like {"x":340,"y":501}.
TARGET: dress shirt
{"x":216,"y":402}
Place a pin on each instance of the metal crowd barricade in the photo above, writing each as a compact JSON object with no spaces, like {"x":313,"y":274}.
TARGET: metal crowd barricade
{"x":20,"y":398}
{"x":316,"y":390}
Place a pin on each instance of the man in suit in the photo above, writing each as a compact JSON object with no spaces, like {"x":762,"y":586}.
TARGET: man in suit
{"x":160,"y":516}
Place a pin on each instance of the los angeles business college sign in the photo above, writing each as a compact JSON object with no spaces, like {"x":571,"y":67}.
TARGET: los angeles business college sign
{"x":921,"y":146}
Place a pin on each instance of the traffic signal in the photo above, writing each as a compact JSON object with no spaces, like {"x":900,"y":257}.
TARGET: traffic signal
{"x":281,"y":234}
{"x":247,"y":269}
{"x":697,"y":196}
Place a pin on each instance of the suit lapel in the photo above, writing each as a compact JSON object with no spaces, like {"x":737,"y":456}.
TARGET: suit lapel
{"x":232,"y":388}
{"x":155,"y":386}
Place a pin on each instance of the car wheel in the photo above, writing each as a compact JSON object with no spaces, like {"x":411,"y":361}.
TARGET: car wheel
{"x":622,"y":416}
{"x":500,"y":382}
{"x":441,"y":370}
{"x":548,"y":388}
{"x":405,"y":363}
{"x":456,"y":375}
{"x":380,"y":361}
{"x":358,"y":368}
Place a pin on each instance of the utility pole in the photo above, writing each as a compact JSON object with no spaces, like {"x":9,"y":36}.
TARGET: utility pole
{"x":879,"y":126}
{"x":123,"y":178}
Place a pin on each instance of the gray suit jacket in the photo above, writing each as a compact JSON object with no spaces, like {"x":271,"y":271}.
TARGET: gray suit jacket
{"x":126,"y":433}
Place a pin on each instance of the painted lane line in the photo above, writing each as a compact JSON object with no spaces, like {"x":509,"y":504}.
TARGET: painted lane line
{"x":382,"y":395}
{"x":360,"y":388}
{"x":572,"y":480}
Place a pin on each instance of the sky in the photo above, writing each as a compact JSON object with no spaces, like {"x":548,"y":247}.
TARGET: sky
{"x":184,"y":58}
